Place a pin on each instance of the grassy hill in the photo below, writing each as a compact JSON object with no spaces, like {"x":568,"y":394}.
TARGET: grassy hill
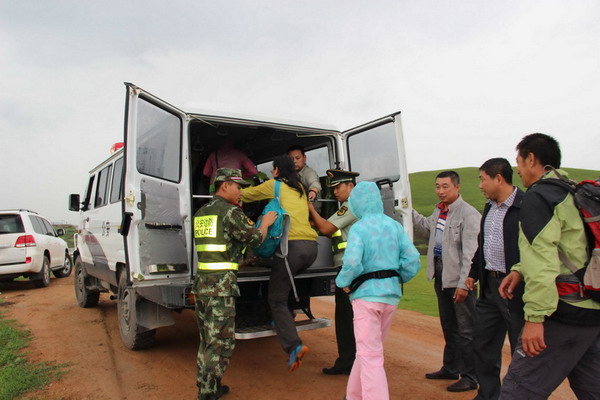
{"x":422,"y":186}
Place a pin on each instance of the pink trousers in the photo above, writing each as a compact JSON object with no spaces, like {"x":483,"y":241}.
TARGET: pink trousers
{"x":371,"y":323}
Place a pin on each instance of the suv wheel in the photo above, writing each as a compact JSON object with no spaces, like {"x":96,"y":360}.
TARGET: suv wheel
{"x":42,"y":279}
{"x":85,"y":297}
{"x":65,"y":270}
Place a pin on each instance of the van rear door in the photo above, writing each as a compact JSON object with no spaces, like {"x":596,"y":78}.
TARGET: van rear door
{"x":155,"y":193}
{"x":376,"y":150}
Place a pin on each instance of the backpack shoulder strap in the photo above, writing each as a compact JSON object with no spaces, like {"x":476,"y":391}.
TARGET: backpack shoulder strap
{"x":276,"y":188}
{"x":567,"y":185}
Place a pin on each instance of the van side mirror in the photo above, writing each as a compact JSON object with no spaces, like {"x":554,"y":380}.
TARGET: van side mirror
{"x":74,"y":202}
{"x":60,"y":232}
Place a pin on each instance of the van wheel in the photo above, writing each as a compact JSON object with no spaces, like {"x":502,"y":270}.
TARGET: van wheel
{"x":42,"y":279}
{"x":65,"y":270}
{"x":85,"y":297}
{"x":134,"y":336}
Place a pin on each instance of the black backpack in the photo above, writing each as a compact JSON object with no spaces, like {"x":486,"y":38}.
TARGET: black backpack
{"x":587,"y":200}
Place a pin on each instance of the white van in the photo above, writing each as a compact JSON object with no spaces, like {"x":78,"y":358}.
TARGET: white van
{"x":135,"y":234}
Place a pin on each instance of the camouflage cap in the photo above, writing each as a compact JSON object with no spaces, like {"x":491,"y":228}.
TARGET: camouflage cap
{"x":230,"y":175}
{"x":337,"y":176}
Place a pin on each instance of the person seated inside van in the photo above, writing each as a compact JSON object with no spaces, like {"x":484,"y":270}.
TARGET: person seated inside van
{"x":307,"y":175}
{"x":228,"y":156}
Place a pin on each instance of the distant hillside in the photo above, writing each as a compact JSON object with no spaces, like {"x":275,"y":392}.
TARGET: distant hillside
{"x":422,"y":186}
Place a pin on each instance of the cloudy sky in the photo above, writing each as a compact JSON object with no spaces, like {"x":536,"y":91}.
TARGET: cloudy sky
{"x":470,"y":77}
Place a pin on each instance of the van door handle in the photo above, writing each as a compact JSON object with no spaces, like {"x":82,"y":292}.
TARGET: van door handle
{"x":130,"y":199}
{"x":384,"y":181}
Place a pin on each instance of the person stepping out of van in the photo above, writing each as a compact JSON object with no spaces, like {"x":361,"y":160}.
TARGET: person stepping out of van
{"x":302,"y":251}
{"x":221,"y":232}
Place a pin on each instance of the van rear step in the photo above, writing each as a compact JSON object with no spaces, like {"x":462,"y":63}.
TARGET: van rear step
{"x":268,"y":330}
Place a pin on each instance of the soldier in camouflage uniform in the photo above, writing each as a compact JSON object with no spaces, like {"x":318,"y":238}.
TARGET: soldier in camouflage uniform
{"x":221,"y":232}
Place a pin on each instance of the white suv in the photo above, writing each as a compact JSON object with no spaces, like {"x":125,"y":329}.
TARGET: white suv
{"x":30,"y":247}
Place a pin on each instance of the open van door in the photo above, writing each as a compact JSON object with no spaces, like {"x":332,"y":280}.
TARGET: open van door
{"x":376,"y":150}
{"x":155,"y":195}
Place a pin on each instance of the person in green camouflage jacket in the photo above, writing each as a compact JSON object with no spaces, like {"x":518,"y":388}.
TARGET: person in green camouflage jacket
{"x":221,"y":233}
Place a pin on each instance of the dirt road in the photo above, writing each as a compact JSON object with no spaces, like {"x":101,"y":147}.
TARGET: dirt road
{"x":102,"y":368}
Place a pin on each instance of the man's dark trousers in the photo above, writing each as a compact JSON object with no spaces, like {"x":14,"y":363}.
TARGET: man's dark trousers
{"x":493,"y":320}
{"x":572,"y":352}
{"x":457,"y":325}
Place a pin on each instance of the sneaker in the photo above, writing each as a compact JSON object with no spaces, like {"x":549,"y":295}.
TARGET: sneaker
{"x":296,"y":357}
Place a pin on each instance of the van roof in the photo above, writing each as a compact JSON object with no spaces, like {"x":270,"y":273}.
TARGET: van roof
{"x":249,"y":119}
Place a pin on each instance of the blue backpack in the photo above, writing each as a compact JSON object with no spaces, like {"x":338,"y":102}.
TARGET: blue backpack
{"x":278,"y":230}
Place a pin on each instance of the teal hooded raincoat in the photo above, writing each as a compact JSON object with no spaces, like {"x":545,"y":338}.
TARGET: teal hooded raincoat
{"x":376,"y":242}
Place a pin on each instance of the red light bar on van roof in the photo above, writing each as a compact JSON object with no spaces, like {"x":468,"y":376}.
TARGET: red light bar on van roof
{"x":116,"y":147}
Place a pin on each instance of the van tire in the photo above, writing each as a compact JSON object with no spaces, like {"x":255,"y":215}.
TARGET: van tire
{"x":42,"y":278}
{"x":134,"y":336}
{"x":86,"y":298}
{"x":66,"y":269}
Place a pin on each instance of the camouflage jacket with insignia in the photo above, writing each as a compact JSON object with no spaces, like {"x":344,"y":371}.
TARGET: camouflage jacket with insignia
{"x":239,"y":232}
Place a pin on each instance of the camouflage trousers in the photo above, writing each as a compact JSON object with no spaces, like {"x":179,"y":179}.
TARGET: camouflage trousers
{"x":216,"y":325}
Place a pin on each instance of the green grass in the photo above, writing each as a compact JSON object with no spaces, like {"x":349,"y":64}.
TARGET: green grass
{"x":419,"y":294}
{"x":17,"y":374}
{"x":68,"y":236}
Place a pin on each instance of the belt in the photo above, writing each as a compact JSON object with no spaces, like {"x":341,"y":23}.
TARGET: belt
{"x":495,"y":274}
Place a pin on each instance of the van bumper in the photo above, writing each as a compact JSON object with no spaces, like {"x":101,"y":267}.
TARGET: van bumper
{"x":170,"y":296}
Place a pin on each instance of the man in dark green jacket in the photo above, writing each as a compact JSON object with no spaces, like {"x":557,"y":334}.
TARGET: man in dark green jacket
{"x":221,"y":232}
{"x":561,"y":335}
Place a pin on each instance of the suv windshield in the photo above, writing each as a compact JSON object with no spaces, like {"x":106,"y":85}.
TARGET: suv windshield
{"x":11,"y":223}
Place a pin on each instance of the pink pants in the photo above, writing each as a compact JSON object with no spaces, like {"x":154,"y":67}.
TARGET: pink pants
{"x":371,"y":323}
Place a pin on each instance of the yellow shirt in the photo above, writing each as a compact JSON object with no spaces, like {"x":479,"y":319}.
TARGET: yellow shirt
{"x":296,"y":206}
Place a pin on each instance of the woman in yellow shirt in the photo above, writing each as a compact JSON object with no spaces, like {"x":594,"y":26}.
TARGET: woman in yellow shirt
{"x":302,"y":251}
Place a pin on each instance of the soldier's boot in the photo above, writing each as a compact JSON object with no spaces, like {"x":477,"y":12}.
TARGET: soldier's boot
{"x":221,"y":389}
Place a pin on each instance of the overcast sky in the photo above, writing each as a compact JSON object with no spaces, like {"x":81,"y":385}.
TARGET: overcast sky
{"x":470,"y":77}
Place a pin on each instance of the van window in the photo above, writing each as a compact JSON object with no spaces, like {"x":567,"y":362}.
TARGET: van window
{"x":88,"y":194}
{"x":318,"y":159}
{"x":158,"y":142}
{"x":266,"y":167}
{"x":381,"y":160}
{"x":102,"y":189}
{"x":116,"y":189}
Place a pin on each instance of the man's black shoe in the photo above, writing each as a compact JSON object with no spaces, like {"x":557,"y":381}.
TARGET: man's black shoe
{"x":441,"y":374}
{"x":336,"y":371}
{"x":462,"y":385}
